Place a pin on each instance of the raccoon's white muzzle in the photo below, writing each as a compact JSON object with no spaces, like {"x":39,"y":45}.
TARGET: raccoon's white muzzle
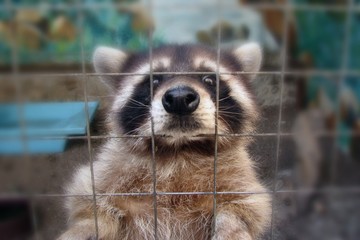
{"x":182,"y":111}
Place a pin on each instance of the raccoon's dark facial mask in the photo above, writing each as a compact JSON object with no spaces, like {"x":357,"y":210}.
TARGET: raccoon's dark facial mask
{"x":182,"y":106}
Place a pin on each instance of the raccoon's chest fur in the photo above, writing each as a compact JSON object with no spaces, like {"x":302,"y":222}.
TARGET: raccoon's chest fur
{"x":190,"y":178}
{"x":185,"y":215}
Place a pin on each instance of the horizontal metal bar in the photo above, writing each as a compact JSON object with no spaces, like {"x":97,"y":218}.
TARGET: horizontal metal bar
{"x":330,"y":190}
{"x":354,"y":73}
{"x":235,"y":135}
{"x":120,"y":6}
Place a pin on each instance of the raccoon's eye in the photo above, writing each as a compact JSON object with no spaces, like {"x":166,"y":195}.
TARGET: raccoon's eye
{"x":157,"y":80}
{"x":209,"y":80}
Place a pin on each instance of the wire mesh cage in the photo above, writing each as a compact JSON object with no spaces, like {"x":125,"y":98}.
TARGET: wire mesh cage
{"x":308,"y":89}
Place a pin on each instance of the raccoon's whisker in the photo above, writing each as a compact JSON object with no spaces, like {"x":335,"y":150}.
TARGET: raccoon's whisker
{"x":230,"y":113}
{"x":225,"y":122}
{"x":135,"y":145}
{"x":224,"y":98}
{"x":133,"y":130}
{"x":225,"y":108}
{"x":230,"y":116}
{"x":139,"y":107}
{"x":139,"y":103}
{"x":139,"y":116}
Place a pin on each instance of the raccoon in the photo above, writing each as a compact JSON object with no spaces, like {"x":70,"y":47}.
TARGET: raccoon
{"x":176,"y":121}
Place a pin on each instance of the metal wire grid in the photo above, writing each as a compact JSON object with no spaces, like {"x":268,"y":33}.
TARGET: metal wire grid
{"x":343,"y":74}
{"x":17,"y":76}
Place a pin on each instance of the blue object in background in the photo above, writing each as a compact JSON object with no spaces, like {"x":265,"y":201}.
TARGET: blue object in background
{"x":41,"y":120}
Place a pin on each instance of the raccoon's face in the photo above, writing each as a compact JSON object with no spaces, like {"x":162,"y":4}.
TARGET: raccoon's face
{"x":182,"y":103}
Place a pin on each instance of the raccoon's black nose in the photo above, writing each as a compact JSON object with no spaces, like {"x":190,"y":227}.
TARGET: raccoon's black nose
{"x":181,"y":100}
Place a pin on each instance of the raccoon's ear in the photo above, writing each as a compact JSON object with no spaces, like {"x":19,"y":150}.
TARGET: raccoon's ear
{"x":250,"y":56}
{"x":108,"y":60}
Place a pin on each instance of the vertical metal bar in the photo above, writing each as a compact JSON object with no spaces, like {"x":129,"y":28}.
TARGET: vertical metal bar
{"x":340,"y":85}
{"x":20,"y":103}
{"x":286,"y":12}
{"x":153,"y":146}
{"x":218,"y":43}
{"x":80,"y":16}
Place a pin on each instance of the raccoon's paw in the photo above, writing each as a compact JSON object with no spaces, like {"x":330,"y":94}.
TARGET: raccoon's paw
{"x":73,"y":235}
{"x":232,"y":235}
{"x":80,"y":231}
{"x":229,"y":227}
